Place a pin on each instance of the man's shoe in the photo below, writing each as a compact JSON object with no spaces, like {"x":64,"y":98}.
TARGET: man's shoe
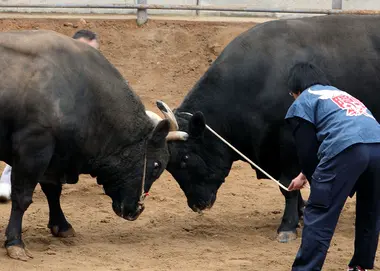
{"x":356,"y":268}
{"x":5,"y":192}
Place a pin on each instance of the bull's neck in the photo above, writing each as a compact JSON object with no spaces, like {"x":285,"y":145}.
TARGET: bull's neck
{"x":220,"y":125}
{"x":115,"y":141}
{"x":225,"y":118}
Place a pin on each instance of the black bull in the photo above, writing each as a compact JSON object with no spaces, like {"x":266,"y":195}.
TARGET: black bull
{"x":244,"y":97}
{"x":65,"y":110}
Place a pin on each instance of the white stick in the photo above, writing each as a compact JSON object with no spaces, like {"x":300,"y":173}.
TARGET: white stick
{"x":245,"y":157}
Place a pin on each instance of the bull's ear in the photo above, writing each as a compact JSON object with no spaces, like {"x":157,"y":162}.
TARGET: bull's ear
{"x":160,"y":132}
{"x":197,"y":125}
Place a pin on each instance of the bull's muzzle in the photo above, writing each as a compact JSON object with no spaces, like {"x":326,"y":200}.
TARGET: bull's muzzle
{"x":127,"y":211}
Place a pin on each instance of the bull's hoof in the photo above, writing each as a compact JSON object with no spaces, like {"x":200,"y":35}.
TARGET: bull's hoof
{"x":57,"y":232}
{"x":19,"y":253}
{"x":287,"y":236}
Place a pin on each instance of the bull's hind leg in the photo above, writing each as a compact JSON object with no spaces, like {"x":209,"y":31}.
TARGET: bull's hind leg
{"x":58,"y":224}
{"x":32,"y":151}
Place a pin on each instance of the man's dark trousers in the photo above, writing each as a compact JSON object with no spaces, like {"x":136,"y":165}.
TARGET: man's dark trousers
{"x":357,"y":168}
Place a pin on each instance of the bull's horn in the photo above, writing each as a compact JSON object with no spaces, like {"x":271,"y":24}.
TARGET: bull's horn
{"x":173,"y":135}
{"x":154,"y":117}
{"x":177,"y":135}
{"x":165,"y":109}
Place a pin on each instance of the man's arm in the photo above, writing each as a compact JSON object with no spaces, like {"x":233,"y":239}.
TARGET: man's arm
{"x":307,"y":145}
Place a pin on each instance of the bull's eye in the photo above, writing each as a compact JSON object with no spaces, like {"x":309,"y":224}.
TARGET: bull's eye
{"x":184,"y":161}
{"x":156,"y":165}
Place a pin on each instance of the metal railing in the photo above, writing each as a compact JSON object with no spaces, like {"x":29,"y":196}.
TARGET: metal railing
{"x":142,"y":8}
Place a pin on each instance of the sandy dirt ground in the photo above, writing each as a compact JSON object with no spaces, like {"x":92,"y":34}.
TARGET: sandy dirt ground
{"x":162,"y":60}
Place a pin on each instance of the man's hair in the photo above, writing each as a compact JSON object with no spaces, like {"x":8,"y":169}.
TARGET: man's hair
{"x":304,"y":75}
{"x":87,"y":34}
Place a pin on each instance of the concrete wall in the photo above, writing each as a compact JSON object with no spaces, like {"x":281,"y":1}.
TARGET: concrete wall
{"x":305,"y":4}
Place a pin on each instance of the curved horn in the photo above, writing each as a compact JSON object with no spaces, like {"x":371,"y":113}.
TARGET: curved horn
{"x":153,"y":117}
{"x":177,"y":135}
{"x":173,"y":135}
{"x":165,"y":109}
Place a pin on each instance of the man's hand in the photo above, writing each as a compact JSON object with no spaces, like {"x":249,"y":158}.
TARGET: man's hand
{"x":298,"y":182}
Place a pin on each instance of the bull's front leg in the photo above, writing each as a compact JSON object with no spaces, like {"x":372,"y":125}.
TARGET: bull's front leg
{"x":33,"y":148}
{"x":58,"y":225}
{"x":293,"y":212}
{"x":21,"y":196}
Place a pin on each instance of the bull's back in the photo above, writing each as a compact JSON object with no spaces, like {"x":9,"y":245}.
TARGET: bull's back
{"x":44,"y":83}
{"x":347,"y":48}
{"x":256,"y":63}
{"x":249,"y":79}
{"x":37,"y":42}
{"x":21,"y":85}
{"x":68,"y":86}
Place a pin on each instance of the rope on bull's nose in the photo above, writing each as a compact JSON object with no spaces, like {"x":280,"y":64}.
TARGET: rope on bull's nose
{"x":143,"y":194}
{"x":242,"y":155}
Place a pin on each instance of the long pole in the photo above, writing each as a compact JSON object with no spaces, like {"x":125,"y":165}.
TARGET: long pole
{"x":142,"y":14}
{"x":195,"y":7}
